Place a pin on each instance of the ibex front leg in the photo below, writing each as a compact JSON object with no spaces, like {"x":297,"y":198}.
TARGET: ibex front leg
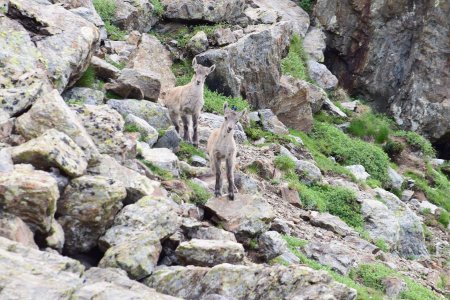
{"x":195,"y":127}
{"x":230,"y":177}
{"x":218,"y":187}
{"x":187,"y":136}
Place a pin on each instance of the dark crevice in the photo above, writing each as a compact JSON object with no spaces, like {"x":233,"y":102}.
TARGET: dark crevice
{"x":442,"y":147}
{"x":28,"y":21}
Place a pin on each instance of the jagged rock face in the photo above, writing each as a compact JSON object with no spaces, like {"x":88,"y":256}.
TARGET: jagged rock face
{"x":135,"y":84}
{"x":67,"y":40}
{"x":248,"y":282}
{"x":251,"y":66}
{"x":30,"y":195}
{"x":395,"y":54}
{"x":205,"y":10}
{"x":27,"y":272}
{"x":134,"y":15}
{"x":87,"y":208}
{"x":84,"y":95}
{"x":52,"y":149}
{"x":13,"y":228}
{"x":50,"y":111}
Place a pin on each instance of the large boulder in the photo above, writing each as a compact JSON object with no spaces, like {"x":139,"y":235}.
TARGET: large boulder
{"x":271,"y":244}
{"x":321,"y":75}
{"x":30,"y":195}
{"x":134,"y":84}
{"x":248,"y":282}
{"x":159,"y":215}
{"x":210,"y":233}
{"x":291,"y":105}
{"x":137,"y":256}
{"x":152,"y":56}
{"x":84,"y":96}
{"x":207,"y":10}
{"x":87,"y":208}
{"x":104,"y":70}
{"x":246,"y":216}
{"x":147,"y":132}
{"x":23,"y":73}
{"x":314,"y":44}
{"x":330,"y":222}
{"x":208,"y":253}
{"x":134,"y":15}
{"x":162,"y":158}
{"x":67,"y":40}
{"x":251,"y":66}
{"x":105,"y":125}
{"x":411,"y":84}
{"x":153,"y":113}
{"x":13,"y":228}
{"x":137,"y":185}
{"x":52,"y":149}
{"x":288,"y":11}
{"x":50,"y":111}
{"x":27,"y":272}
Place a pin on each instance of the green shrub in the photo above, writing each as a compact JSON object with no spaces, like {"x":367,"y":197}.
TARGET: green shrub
{"x":157,"y":171}
{"x":294,"y":63}
{"x":131,"y":128}
{"x":285,"y":163}
{"x":322,"y":116}
{"x":214,"y":102}
{"x":188,"y":150}
{"x":380,"y":243}
{"x":444,"y":218}
{"x":200,"y":195}
{"x":106,"y":10}
{"x":254,"y":132}
{"x":118,"y":65}
{"x":294,"y":242}
{"x":331,"y":141}
{"x":87,"y":79}
{"x":393,"y":148}
{"x":112,"y":95}
{"x":183,"y":72}
{"x":373,"y":183}
{"x":371,"y":125}
{"x":307,"y":5}
{"x":417,"y":142}
{"x":158,"y":8}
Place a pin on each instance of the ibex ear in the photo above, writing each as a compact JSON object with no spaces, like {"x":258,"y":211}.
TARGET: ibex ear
{"x":243,"y":113}
{"x":212,"y":68}
{"x":194,"y":62}
{"x":225,"y":106}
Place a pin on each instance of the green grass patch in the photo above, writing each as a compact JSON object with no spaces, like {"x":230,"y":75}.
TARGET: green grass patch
{"x":285,"y":163}
{"x":118,"y":65}
{"x":214,"y":102}
{"x":294,"y":242}
{"x":131,"y":128}
{"x":444,"y":218}
{"x":321,"y":116}
{"x":370,"y":125}
{"x":199,"y":195}
{"x":380,"y":243}
{"x":158,"y":8}
{"x":372,"y":275}
{"x":306,"y":5}
{"x":106,"y":10}
{"x":417,"y":142}
{"x":157,"y":171}
{"x":188,"y":150}
{"x":184,"y":33}
{"x":393,"y":148}
{"x":436,"y":190}
{"x":294,"y":63}
{"x":87,"y":79}
{"x":331,"y":141}
{"x":112,"y":95}
{"x":254,"y":132}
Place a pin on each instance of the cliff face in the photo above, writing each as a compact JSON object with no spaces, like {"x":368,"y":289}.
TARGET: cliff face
{"x":395,"y":53}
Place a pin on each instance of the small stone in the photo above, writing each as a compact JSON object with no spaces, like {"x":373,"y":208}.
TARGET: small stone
{"x":170,"y":139}
{"x":407,"y":195}
{"x":271,"y":245}
{"x":281,"y":226}
{"x":198,"y":161}
{"x":291,"y":196}
{"x":163,"y":158}
{"x":13,"y":228}
{"x":198,"y":43}
{"x":358,"y":171}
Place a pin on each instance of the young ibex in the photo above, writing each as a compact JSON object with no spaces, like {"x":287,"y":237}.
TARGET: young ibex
{"x":187,"y":100}
{"x":221,"y":145}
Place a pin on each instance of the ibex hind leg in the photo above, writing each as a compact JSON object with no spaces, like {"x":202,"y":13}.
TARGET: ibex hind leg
{"x":230,"y":177}
{"x":187,"y":136}
{"x":218,"y":173}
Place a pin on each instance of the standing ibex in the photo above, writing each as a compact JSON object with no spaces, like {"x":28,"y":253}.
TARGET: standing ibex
{"x":221,"y":145}
{"x":187,"y":100}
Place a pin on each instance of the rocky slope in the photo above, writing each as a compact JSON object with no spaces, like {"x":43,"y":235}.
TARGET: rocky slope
{"x":100,"y":198}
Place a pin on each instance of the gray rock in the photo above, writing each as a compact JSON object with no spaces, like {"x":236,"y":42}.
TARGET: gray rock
{"x":137,"y":185}
{"x":332,"y":109}
{"x":246,"y":184}
{"x":271,"y":244}
{"x":52,"y":149}
{"x":51,"y":112}
{"x":330,"y":222}
{"x":224,"y":36}
{"x":6,"y":163}
{"x":429,"y":206}
{"x":87,"y":208}
{"x":244,"y":282}
{"x":261,"y":15}
{"x":288,"y":11}
{"x":308,"y":171}
{"x":262,"y":49}
{"x":170,"y":139}
{"x":150,"y":214}
{"x":396,"y":180}
{"x":208,"y":122}
{"x":358,"y":171}
{"x":280,"y":225}
{"x":394,"y":286}
{"x":104,"y":70}
{"x":136,"y":84}
{"x":246,"y":216}
{"x":84,"y":96}
{"x":407,"y":195}
{"x":148,"y":133}
{"x":38,"y":192}
{"x":13,"y":228}
{"x":208,"y":253}
{"x":137,"y":256}
{"x":314,"y":44}
{"x":271,"y":123}
{"x":321,"y":75}
{"x":56,"y":237}
{"x":198,"y":43}
{"x":210,"y":233}
{"x":198,"y":161}
{"x":153,"y":113}
{"x":161,"y":157}
{"x":350,"y":105}
{"x":134,"y":15}
{"x":208,"y":10}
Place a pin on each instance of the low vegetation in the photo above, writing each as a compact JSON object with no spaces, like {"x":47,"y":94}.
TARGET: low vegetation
{"x":199,"y":195}
{"x":106,"y":10}
{"x":158,"y":8}
{"x":188,"y":150}
{"x":307,"y":5}
{"x":87,"y":79}
{"x":371,"y":126}
{"x":417,"y":142}
{"x":294,"y":63}
{"x":157,"y":171}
